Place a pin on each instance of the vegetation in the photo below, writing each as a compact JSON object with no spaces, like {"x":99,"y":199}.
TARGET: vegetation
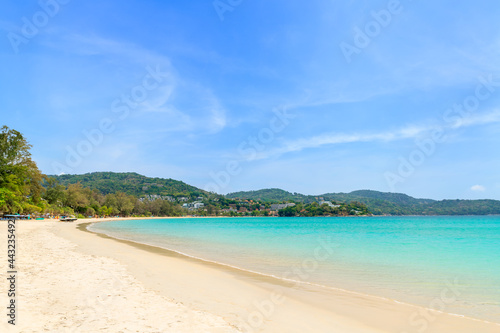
{"x":81,"y":201}
{"x":270,"y":195}
{"x":20,"y":179}
{"x":462,"y":207}
{"x":24,"y":189}
{"x":380,"y":203}
{"x":132,"y":184}
{"x":314,"y":209}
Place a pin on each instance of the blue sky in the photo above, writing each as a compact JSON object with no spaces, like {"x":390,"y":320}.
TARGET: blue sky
{"x":311,"y":97}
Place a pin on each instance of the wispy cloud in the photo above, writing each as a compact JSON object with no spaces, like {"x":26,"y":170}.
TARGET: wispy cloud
{"x":404,"y":133}
{"x":478,"y":188}
{"x":187,"y":105}
{"x":479,"y":119}
{"x":92,"y":45}
{"x":218,"y":117}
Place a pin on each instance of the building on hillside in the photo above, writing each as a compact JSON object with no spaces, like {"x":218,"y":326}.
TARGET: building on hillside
{"x":193,"y":205}
{"x":276,"y":207}
{"x":197,"y":205}
{"x":153,"y":197}
{"x":329,"y":203}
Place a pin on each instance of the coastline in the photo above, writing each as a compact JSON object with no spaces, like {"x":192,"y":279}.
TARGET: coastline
{"x":247,"y":300}
{"x":153,"y":248}
{"x":281,"y":281}
{"x":61,"y":288}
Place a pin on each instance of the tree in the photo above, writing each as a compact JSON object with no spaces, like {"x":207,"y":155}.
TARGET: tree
{"x":54,"y":192}
{"x":20,"y":178}
{"x":77,"y":198}
{"x":125,"y":203}
{"x":8,"y":201}
{"x":103,"y":211}
{"x":90,"y":211}
{"x":211,"y":209}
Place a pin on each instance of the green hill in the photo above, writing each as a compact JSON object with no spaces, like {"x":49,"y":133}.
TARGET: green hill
{"x":397,"y":198}
{"x":380,"y":203}
{"x":131,"y":183}
{"x":463,"y":207}
{"x":383,"y":203}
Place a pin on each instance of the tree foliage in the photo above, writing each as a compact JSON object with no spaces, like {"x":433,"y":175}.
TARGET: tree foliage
{"x":131,"y":183}
{"x":20,"y":178}
{"x":381,"y":203}
{"x":271,"y":195}
{"x":314,"y":209}
{"x":76,"y":199}
{"x":24,"y":189}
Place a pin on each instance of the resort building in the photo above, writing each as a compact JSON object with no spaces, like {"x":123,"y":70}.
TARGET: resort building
{"x":276,"y":207}
{"x":329,"y":203}
{"x":193,"y":205}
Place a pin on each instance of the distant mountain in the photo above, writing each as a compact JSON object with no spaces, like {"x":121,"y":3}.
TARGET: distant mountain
{"x":380,"y":203}
{"x":463,"y":207}
{"x":131,"y":183}
{"x":397,"y":198}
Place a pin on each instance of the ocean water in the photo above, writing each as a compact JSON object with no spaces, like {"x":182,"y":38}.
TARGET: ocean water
{"x":409,"y":259}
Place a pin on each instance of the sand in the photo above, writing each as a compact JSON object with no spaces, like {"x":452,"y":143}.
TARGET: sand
{"x":63,"y":289}
{"x":76,"y":281}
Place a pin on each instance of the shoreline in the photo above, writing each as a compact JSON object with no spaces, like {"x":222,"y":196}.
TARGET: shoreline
{"x":226,"y":298}
{"x":61,"y":287}
{"x":281,"y":282}
{"x":83,"y":226}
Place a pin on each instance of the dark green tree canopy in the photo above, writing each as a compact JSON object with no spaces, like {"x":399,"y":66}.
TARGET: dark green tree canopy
{"x":20,"y":178}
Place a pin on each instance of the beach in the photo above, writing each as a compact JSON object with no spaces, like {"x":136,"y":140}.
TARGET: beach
{"x":72,"y":280}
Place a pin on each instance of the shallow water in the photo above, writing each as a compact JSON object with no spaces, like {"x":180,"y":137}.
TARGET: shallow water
{"x":410,"y":259}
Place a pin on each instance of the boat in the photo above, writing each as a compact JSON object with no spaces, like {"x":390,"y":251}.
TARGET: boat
{"x":67,"y":219}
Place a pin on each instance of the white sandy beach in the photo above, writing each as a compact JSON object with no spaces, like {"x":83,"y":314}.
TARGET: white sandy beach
{"x":63,"y":289}
{"x":76,"y":281}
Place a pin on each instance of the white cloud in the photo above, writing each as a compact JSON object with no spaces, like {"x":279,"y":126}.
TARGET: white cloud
{"x":159,"y":100}
{"x":478,"y":188}
{"x":479,"y":119}
{"x":334,"y":138}
{"x":96,"y":45}
{"x":218,"y":119}
{"x":202,"y":114}
{"x":407,"y":132}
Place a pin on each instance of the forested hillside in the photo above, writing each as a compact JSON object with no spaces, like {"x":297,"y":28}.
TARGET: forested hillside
{"x":381,"y":203}
{"x":130,"y":183}
{"x":24,"y":189}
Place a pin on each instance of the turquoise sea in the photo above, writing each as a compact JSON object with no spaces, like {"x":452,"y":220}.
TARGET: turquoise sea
{"x":409,"y":259}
